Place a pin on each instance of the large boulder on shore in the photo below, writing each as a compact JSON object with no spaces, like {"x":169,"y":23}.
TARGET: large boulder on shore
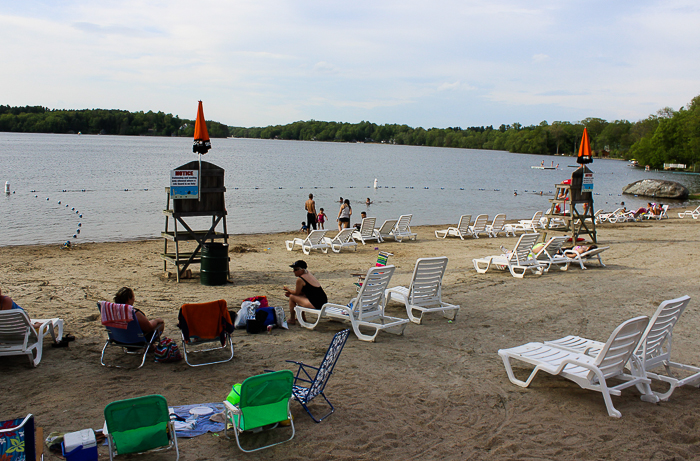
{"x":657,"y":188}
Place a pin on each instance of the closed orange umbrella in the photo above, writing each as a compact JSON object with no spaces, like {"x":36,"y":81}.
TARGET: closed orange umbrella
{"x":584,"y":151}
{"x":201,"y":135}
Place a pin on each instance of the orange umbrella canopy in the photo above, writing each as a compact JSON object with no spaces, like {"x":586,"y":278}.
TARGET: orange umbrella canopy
{"x":201,"y":135}
{"x":584,"y":151}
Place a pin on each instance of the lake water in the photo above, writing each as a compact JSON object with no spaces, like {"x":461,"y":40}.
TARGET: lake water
{"x":117,"y":184}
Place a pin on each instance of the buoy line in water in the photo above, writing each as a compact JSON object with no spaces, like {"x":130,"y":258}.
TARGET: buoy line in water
{"x":67,"y":243}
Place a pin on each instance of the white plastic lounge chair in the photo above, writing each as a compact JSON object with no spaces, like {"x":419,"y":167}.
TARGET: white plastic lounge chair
{"x":313,"y":241}
{"x":366,"y":232}
{"x":549,"y":254}
{"x":654,"y":349}
{"x":402,"y":229}
{"x":498,"y":225}
{"x":424,"y":294}
{"x":19,"y":337}
{"x":555,"y":222}
{"x":690,"y":213}
{"x":342,"y":240}
{"x":461,"y":231}
{"x":575,"y":257}
{"x":605,"y":216}
{"x":527,"y":225}
{"x":518,"y":261}
{"x":366,"y":311}
{"x":586,"y":371}
{"x":385,"y":231}
{"x":479,"y":226}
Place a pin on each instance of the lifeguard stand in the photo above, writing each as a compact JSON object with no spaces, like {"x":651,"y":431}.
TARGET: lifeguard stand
{"x":569,"y":218}
{"x":211,"y":202}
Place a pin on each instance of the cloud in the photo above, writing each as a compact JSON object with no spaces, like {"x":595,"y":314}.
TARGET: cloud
{"x":537,"y":58}
{"x":325,"y":68}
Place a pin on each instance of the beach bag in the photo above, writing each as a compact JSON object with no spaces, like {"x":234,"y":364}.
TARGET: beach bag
{"x":264,"y":316}
{"x":247,"y":312}
{"x":280,"y":318}
{"x":262,"y":300}
{"x":167,"y":351}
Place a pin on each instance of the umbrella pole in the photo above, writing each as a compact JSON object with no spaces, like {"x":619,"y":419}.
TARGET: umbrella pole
{"x":199,"y":179}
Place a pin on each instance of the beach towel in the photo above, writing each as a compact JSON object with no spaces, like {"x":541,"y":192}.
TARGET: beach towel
{"x":116,"y":315}
{"x":205,"y":320}
{"x":203,"y":424}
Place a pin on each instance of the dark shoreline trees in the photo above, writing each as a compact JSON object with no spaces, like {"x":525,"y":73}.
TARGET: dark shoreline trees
{"x":37,"y":119}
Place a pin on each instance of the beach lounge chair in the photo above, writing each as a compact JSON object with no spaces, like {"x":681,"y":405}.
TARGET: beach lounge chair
{"x":365,"y":311}
{"x":654,"y":349}
{"x":382,"y":258}
{"x":19,"y":337}
{"x":461,"y":231}
{"x":588,"y":372}
{"x":479,"y":226}
{"x":139,"y":425}
{"x":366,"y":232}
{"x":527,"y":225}
{"x":385,"y":230}
{"x":20,"y":440}
{"x":264,"y":401}
{"x":690,"y":213}
{"x":342,"y":240}
{"x":313,"y":241}
{"x":549,"y":254}
{"x":131,"y":339}
{"x":662,"y":214}
{"x":424,"y":294}
{"x":206,"y":327}
{"x":498,"y":225}
{"x":402,"y":229}
{"x":575,"y":257}
{"x":310,"y":381}
{"x":518,"y":261}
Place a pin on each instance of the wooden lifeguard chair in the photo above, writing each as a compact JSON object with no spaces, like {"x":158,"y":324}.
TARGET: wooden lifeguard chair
{"x":211,"y":203}
{"x":565,"y":215}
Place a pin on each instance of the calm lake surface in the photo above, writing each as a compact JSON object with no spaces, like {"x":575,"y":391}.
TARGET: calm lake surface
{"x":117,"y":184}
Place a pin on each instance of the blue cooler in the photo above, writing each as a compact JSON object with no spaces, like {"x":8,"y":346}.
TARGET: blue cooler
{"x":80,"y":446}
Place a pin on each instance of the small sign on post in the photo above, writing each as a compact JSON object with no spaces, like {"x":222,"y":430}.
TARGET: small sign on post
{"x":184,"y":184}
{"x":587,"y":183}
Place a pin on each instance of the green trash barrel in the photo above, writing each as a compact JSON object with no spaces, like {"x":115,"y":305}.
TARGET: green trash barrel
{"x":214,"y":267}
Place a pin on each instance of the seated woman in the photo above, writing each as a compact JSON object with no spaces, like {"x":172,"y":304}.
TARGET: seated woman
{"x":6,"y":303}
{"x":306,"y":293}
{"x":126,"y":295}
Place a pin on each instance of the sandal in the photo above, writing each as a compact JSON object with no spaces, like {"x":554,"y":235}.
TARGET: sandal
{"x":61,"y":343}
{"x":68,"y":337}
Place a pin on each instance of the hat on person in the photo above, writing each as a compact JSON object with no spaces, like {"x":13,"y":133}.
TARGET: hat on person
{"x":301,"y":264}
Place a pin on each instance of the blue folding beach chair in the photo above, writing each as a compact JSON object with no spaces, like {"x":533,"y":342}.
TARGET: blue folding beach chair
{"x":317,"y":384}
{"x":18,"y":440}
{"x":131,"y":339}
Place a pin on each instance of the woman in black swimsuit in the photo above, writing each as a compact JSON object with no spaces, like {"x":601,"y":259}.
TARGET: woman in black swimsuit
{"x":307,"y":292}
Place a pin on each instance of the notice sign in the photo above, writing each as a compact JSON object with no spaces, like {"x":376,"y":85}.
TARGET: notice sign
{"x":587,"y":184}
{"x":184,"y":184}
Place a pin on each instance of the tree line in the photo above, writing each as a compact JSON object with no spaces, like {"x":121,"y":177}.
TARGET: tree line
{"x":667,"y":137}
{"x":38,"y":119}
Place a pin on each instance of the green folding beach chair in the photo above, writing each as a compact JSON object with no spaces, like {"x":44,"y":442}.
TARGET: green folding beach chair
{"x":139,"y":425}
{"x":264,"y":401}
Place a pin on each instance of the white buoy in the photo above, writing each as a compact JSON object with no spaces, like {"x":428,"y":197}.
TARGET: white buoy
{"x":7,"y":187}
{"x":375,"y":183}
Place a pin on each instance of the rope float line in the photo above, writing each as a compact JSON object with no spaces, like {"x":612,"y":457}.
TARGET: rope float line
{"x":67,"y":243}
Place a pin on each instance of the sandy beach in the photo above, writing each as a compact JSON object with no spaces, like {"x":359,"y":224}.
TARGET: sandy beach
{"x":440,"y":391}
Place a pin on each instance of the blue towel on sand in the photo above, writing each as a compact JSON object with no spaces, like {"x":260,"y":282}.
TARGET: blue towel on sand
{"x":203,"y":425}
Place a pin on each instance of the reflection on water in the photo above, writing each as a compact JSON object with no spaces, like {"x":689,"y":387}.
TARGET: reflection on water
{"x":117,"y":183}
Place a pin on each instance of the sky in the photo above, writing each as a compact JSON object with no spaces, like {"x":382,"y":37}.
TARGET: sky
{"x":440,"y":64}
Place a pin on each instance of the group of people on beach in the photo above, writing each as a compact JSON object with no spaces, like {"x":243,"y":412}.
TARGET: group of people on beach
{"x":316,"y":220}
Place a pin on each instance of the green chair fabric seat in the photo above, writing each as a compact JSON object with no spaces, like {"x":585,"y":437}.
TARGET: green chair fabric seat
{"x":139,"y":425}
{"x":264,"y":401}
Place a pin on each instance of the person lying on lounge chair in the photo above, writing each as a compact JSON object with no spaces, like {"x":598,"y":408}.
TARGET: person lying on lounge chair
{"x":580,"y":249}
{"x":6,"y":304}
